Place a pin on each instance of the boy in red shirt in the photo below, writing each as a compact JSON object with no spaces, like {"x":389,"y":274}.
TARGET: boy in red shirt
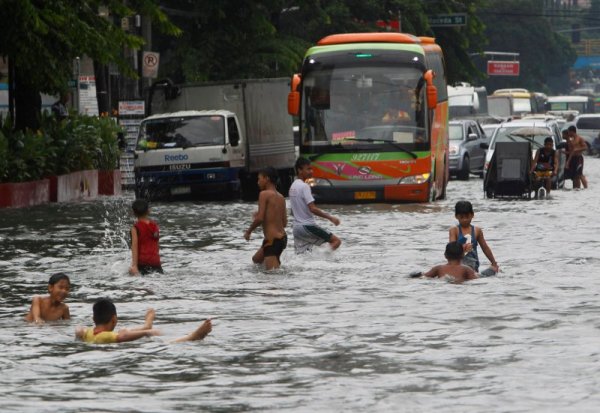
{"x":144,"y":241}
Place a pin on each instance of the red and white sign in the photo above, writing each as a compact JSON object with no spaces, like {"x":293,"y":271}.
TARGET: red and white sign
{"x":389,"y":25}
{"x":503,"y":68}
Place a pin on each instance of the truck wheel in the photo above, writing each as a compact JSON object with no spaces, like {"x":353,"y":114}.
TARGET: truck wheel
{"x":463,"y":174}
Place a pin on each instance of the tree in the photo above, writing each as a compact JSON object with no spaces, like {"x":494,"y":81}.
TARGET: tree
{"x":44,"y":37}
{"x":518,"y":26}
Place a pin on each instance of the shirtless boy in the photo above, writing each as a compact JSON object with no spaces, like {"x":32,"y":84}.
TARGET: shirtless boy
{"x":273,"y":218}
{"x":454,"y":268}
{"x":576,"y":148}
{"x":51,"y":307}
{"x":105,"y":321}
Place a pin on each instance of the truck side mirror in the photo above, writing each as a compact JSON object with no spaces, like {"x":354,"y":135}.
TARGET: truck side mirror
{"x":294,"y":96}
{"x":432,"y":95}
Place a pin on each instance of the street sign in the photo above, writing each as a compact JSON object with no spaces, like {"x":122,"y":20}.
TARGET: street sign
{"x":503,"y":68}
{"x":448,"y":20}
{"x":150,"y":64}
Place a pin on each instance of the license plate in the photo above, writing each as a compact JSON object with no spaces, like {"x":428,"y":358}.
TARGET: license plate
{"x":181,"y":190}
{"x":365,"y":195}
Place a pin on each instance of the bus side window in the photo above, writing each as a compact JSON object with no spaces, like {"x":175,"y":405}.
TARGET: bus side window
{"x":234,"y":133}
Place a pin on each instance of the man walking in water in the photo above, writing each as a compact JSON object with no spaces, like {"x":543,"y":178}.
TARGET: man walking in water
{"x":576,"y":148}
{"x":306,"y":231}
{"x":273,"y":218}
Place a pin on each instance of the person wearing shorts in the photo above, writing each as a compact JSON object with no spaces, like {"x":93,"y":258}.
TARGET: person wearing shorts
{"x":274,"y":248}
{"x":306,"y":231}
{"x":576,"y":148}
{"x":272,"y":216}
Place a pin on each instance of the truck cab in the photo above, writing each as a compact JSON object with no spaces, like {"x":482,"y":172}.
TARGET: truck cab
{"x":183,"y":153}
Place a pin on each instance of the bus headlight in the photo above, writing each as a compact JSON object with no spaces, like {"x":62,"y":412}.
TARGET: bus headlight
{"x":414,"y":179}
{"x":312,"y":182}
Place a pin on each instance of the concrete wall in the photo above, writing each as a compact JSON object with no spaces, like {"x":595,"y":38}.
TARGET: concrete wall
{"x":24,"y":194}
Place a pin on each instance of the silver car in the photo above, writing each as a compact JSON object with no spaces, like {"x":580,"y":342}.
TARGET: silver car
{"x":466,"y":155}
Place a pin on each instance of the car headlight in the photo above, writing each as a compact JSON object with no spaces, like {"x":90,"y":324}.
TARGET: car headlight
{"x":414,"y":179}
{"x":312,"y":182}
{"x":453,"y":149}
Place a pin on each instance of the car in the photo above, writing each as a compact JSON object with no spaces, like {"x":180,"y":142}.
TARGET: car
{"x":533,"y":129}
{"x":588,"y":127}
{"x":466,"y":154}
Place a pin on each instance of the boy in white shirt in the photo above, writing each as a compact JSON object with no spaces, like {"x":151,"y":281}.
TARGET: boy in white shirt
{"x":306,"y":231}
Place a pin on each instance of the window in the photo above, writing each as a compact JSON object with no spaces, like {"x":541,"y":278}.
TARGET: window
{"x":234,"y":133}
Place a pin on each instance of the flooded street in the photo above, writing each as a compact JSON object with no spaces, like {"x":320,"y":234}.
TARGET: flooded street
{"x":343,"y":331}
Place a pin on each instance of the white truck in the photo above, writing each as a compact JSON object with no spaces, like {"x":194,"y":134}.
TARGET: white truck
{"x":466,"y":101}
{"x":210,"y":140}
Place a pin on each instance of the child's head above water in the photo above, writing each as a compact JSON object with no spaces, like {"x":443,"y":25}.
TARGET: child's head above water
{"x":140,"y":207}
{"x":59,"y":286}
{"x":104,"y":311}
{"x":454,"y":251}
{"x":463,"y":207}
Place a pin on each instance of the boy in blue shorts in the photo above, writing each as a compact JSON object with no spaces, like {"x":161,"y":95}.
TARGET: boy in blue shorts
{"x":105,"y":321}
{"x":470,"y":236}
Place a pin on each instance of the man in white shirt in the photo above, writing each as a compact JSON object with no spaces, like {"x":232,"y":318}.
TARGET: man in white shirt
{"x":306,"y":231}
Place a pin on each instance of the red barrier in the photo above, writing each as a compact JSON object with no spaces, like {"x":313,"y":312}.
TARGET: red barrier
{"x":109,"y":182}
{"x":24,"y":194}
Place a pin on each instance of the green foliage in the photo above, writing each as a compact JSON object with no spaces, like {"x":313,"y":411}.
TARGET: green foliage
{"x":43,"y":37}
{"x":234,"y":39}
{"x":517,"y":26}
{"x":75,"y":144}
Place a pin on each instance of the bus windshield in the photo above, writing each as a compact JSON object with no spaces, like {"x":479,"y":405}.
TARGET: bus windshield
{"x":379,"y":106}
{"x":181,"y":132}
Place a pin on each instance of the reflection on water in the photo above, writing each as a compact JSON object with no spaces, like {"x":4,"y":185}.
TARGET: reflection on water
{"x":327,"y":332}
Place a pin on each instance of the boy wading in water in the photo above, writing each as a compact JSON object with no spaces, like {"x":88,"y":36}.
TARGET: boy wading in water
{"x":454,"y":269}
{"x":306,"y":231}
{"x":105,"y":321}
{"x":144,"y":241}
{"x":470,"y":236}
{"x":51,"y":307}
{"x":273,"y":218}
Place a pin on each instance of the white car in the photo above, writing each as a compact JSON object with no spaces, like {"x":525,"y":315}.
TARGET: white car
{"x":534,"y":130}
{"x":588,"y":127}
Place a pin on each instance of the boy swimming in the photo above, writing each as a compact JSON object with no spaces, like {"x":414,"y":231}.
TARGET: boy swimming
{"x":144,"y":241}
{"x":454,"y":269}
{"x":470,"y":236}
{"x":51,"y":307}
{"x":105,"y":321}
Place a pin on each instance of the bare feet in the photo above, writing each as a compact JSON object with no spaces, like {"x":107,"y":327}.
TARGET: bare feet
{"x":199,"y":334}
{"x":149,"y":321}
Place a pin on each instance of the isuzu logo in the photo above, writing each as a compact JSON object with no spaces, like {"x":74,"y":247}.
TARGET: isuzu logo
{"x":175,"y":158}
{"x":364,"y":170}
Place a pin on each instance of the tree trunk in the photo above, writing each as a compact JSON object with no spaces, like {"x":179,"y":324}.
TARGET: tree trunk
{"x":100,"y":71}
{"x":28,"y":103}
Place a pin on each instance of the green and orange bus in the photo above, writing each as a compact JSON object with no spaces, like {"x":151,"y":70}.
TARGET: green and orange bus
{"x":373,"y":113}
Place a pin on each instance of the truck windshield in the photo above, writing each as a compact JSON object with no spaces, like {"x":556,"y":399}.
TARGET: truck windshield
{"x":181,"y":132}
{"x":351,"y":106}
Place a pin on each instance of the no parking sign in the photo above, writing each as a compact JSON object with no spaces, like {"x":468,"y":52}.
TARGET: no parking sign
{"x":150,"y":64}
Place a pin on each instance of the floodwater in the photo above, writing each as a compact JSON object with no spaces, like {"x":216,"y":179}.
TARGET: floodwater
{"x":343,"y":331}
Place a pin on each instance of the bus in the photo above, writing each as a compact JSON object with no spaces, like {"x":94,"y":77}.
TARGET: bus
{"x":373,"y":116}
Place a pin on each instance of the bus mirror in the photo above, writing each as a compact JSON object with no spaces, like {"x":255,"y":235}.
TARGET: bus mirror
{"x":294,"y":96}
{"x":294,"y":103}
{"x":431,"y":90}
{"x":432,"y":97}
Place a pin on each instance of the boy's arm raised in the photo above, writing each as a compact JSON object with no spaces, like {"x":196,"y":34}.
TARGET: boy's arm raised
{"x":133,"y":270}
{"x":132,"y":335}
